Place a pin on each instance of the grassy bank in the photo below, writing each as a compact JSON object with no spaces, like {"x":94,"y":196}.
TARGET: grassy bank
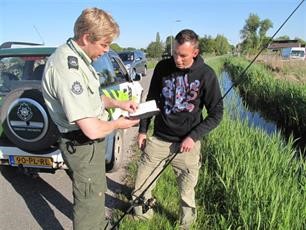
{"x":289,"y":70}
{"x":248,"y":180}
{"x":281,"y":101}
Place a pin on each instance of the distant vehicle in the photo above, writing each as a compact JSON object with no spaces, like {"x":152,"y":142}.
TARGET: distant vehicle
{"x":293,"y":53}
{"x":28,"y":137}
{"x":135,"y":62}
{"x":166,"y":55}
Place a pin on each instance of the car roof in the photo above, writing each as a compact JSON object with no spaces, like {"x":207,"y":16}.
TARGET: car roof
{"x":113,"y":53}
{"x":34,"y":50}
{"x":23,"y":51}
{"x":127,"y":51}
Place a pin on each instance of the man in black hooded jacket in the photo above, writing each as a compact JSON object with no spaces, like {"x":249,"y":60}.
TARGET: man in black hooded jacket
{"x":182,"y":86}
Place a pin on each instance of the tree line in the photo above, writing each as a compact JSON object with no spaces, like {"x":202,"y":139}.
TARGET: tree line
{"x":253,"y":38}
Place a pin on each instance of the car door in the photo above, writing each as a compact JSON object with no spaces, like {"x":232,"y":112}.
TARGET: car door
{"x":138,"y":62}
{"x":117,"y":84}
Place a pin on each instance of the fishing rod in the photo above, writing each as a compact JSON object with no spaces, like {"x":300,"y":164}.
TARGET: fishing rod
{"x":139,"y":200}
{"x":261,"y":50}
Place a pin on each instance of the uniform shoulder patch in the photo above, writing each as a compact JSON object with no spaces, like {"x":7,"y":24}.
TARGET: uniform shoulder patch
{"x":77,"y":88}
{"x":73,"y":62}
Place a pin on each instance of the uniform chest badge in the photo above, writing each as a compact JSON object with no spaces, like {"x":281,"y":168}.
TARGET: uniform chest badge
{"x":73,"y":62}
{"x":77,"y":88}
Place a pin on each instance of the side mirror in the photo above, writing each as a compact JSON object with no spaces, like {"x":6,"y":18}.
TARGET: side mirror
{"x":137,"y":77}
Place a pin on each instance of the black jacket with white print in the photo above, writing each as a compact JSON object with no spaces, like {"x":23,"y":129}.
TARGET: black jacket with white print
{"x":181,"y":96}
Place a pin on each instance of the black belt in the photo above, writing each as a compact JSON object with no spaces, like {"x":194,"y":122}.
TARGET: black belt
{"x":79,"y":138}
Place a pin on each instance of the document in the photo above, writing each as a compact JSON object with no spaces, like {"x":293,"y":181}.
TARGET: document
{"x":145,"y":110}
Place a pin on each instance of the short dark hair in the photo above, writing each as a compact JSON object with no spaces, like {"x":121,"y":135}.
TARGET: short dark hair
{"x":187,"y":35}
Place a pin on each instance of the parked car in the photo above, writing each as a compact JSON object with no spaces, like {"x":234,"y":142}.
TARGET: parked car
{"x":135,"y":62}
{"x":28,"y":135}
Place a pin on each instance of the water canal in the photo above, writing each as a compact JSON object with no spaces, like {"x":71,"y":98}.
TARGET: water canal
{"x":254,"y":115}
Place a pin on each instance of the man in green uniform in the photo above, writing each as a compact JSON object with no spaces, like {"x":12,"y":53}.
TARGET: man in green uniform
{"x":71,"y":91}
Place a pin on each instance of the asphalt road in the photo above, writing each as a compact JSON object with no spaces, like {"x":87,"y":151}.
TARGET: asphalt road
{"x":45,"y":202}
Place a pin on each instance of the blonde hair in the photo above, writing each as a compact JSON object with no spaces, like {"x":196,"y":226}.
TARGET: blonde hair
{"x":98,"y":24}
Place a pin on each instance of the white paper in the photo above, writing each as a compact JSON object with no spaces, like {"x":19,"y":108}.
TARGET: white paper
{"x":145,"y":107}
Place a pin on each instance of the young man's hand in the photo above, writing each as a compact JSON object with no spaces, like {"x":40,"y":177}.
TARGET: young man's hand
{"x":141,"y":139}
{"x":187,"y":144}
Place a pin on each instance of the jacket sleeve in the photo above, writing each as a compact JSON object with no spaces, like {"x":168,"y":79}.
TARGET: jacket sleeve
{"x":153,"y":94}
{"x":213,"y":102}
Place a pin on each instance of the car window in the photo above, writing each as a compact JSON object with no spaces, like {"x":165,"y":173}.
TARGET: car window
{"x":105,"y":70}
{"x":119,"y":70}
{"x":15,"y":70}
{"x":110,"y":71}
{"x":129,"y":56}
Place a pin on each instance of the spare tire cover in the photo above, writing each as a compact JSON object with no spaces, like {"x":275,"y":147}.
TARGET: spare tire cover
{"x":26,"y":121}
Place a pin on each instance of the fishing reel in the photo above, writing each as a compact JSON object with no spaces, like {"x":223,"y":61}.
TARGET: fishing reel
{"x":145,"y":205}
{"x":150,"y":203}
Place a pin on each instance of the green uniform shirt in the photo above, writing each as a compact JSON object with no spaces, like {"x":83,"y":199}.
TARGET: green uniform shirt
{"x":70,"y":87}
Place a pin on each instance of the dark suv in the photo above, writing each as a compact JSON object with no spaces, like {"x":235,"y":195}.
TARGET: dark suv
{"x":28,"y":135}
{"x":135,"y":62}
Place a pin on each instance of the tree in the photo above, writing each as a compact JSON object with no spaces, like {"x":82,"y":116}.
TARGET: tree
{"x":157,"y":38}
{"x":303,"y":42}
{"x":155,"y":49}
{"x":221,"y":45}
{"x":129,"y":49}
{"x":265,"y":25}
{"x":207,"y":44}
{"x":254,"y":33}
{"x":249,"y":33}
{"x":116,"y":47}
{"x":169,"y":39}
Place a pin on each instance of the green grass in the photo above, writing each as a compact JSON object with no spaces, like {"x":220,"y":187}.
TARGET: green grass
{"x":248,"y":180}
{"x":152,"y":63}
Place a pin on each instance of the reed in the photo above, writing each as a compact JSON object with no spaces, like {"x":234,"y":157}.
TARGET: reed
{"x":250,"y":181}
{"x":284,"y":102}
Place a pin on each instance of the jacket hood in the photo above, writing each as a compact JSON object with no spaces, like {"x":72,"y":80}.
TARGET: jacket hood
{"x":197,"y":63}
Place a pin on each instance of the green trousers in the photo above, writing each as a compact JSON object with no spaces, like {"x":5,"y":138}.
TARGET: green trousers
{"x":186,"y":166}
{"x":86,"y":165}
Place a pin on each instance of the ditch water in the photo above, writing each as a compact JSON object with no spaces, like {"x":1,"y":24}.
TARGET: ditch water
{"x":239,"y":109}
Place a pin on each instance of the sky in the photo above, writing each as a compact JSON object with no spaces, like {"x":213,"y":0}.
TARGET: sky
{"x":51,"y":21}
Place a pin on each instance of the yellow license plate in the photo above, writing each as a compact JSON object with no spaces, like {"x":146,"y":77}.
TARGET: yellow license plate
{"x":31,"y":161}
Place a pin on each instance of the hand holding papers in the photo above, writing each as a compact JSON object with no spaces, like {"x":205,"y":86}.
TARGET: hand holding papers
{"x":145,"y":110}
